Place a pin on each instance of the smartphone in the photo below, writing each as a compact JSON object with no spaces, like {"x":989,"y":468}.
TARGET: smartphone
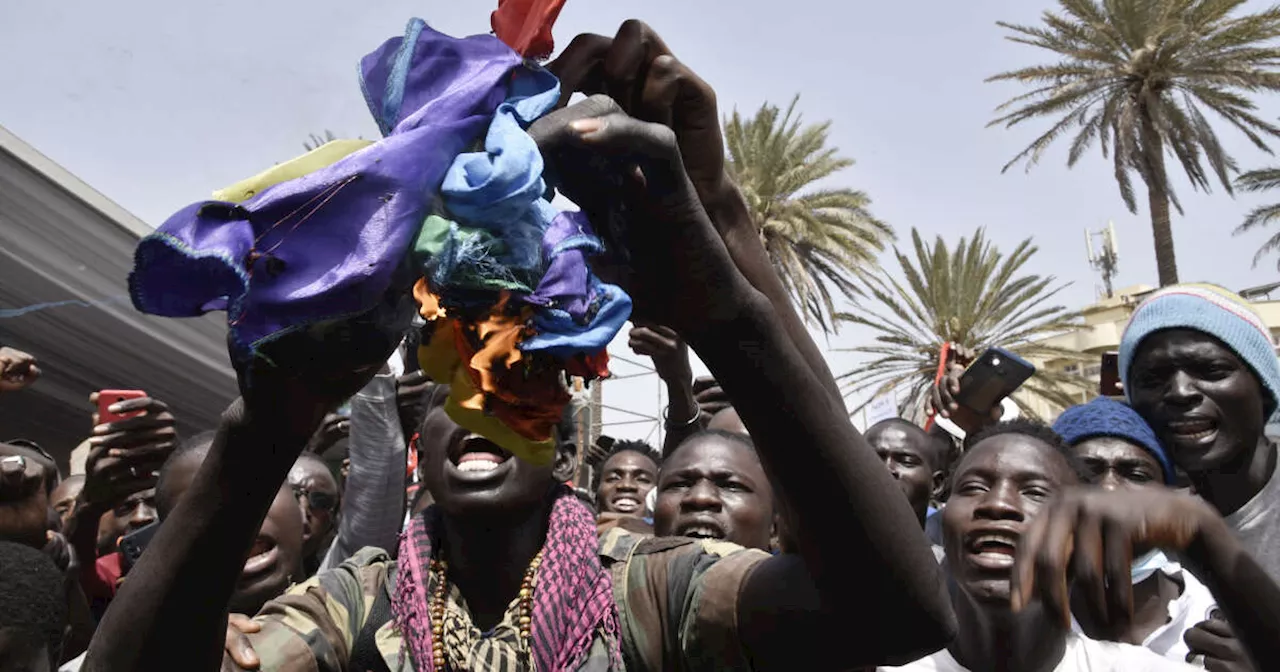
{"x":990,"y":378}
{"x":1109,"y":375}
{"x":108,"y":397}
{"x":133,"y":544}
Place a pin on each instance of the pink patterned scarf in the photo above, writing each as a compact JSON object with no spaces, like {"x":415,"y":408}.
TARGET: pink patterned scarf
{"x":573,"y":599}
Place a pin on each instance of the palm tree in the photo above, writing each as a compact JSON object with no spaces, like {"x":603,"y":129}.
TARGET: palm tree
{"x":972,"y":295}
{"x":1135,"y":75}
{"x":1263,"y":179}
{"x":819,"y":239}
{"x":314,"y":141}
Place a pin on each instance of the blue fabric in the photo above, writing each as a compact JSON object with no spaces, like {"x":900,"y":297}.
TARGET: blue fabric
{"x":1107,"y":417}
{"x":933,"y":528}
{"x":561,"y":335}
{"x":394,"y":97}
{"x":501,"y":188}
{"x":1219,"y":313}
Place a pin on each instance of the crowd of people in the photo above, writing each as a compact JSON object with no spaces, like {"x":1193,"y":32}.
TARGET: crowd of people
{"x":339,"y":519}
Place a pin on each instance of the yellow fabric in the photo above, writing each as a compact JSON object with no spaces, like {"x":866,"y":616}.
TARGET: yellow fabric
{"x":500,"y":335}
{"x":439,"y":356}
{"x":465,"y":405}
{"x":321,"y":157}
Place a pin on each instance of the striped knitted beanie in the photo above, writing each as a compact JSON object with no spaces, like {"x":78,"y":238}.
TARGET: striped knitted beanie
{"x":1213,"y":310}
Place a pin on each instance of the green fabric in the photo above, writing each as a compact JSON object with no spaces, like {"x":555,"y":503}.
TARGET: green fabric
{"x":431,"y":238}
{"x":471,"y":273}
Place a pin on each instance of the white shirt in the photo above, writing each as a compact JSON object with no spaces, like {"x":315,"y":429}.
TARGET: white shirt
{"x":1189,"y":609}
{"x":1082,"y":655}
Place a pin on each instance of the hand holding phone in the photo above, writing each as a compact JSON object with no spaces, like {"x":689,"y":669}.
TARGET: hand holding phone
{"x":133,"y":438}
{"x":968,"y":389}
{"x":107,"y":399}
{"x":994,"y":376}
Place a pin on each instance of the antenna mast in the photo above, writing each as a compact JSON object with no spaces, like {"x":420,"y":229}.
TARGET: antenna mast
{"x":1107,"y":260}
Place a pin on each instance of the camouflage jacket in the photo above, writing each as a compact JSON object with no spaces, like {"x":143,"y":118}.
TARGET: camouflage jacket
{"x":677,"y":602}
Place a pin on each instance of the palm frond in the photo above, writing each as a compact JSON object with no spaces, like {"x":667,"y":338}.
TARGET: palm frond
{"x":314,"y":141}
{"x":823,"y":242}
{"x":1264,"y":179}
{"x":1119,"y":69}
{"x":970,"y":293}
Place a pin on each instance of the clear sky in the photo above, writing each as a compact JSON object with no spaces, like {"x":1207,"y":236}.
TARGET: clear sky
{"x":156,"y":104}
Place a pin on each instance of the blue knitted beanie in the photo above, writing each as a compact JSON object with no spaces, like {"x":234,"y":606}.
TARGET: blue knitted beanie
{"x":1106,"y":417}
{"x":1215,"y":311}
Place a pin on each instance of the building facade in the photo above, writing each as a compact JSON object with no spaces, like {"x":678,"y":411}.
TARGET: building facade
{"x":1104,"y":324}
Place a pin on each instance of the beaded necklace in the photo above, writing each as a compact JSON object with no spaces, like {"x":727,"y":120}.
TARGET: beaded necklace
{"x":524,"y":609}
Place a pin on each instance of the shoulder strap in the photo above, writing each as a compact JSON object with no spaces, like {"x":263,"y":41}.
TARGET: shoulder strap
{"x":365,"y":656}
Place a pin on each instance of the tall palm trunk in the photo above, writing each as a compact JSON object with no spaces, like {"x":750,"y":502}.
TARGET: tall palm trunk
{"x":1158,"y":201}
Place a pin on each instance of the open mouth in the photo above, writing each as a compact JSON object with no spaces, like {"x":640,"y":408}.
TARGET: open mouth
{"x":625,"y":504}
{"x":993,"y":549}
{"x":1193,"y":429}
{"x":701,"y":529}
{"x":262,"y":557}
{"x":476,"y":458}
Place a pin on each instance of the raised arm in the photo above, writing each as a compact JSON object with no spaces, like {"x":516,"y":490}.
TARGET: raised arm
{"x":17,"y":370}
{"x":682,"y":417}
{"x":682,"y":275}
{"x":124,"y":457}
{"x":169,"y":604}
{"x":373,"y":496}
{"x":639,"y":71}
{"x":1087,"y":537}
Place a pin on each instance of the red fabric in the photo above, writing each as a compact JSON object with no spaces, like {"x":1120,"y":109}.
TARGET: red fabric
{"x":411,"y":463}
{"x":525,"y":25}
{"x":524,"y":394}
{"x":591,"y":367}
{"x":102,"y":583}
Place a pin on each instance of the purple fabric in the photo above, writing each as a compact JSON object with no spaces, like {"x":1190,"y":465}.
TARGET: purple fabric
{"x":326,"y":245}
{"x":449,"y":77}
{"x":567,"y":282}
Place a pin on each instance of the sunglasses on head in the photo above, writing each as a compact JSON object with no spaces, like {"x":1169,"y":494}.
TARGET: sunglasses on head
{"x":320,"y":501}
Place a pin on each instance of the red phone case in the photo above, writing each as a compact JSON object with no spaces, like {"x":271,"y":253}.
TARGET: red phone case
{"x":108,"y":397}
{"x":937,"y":378}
